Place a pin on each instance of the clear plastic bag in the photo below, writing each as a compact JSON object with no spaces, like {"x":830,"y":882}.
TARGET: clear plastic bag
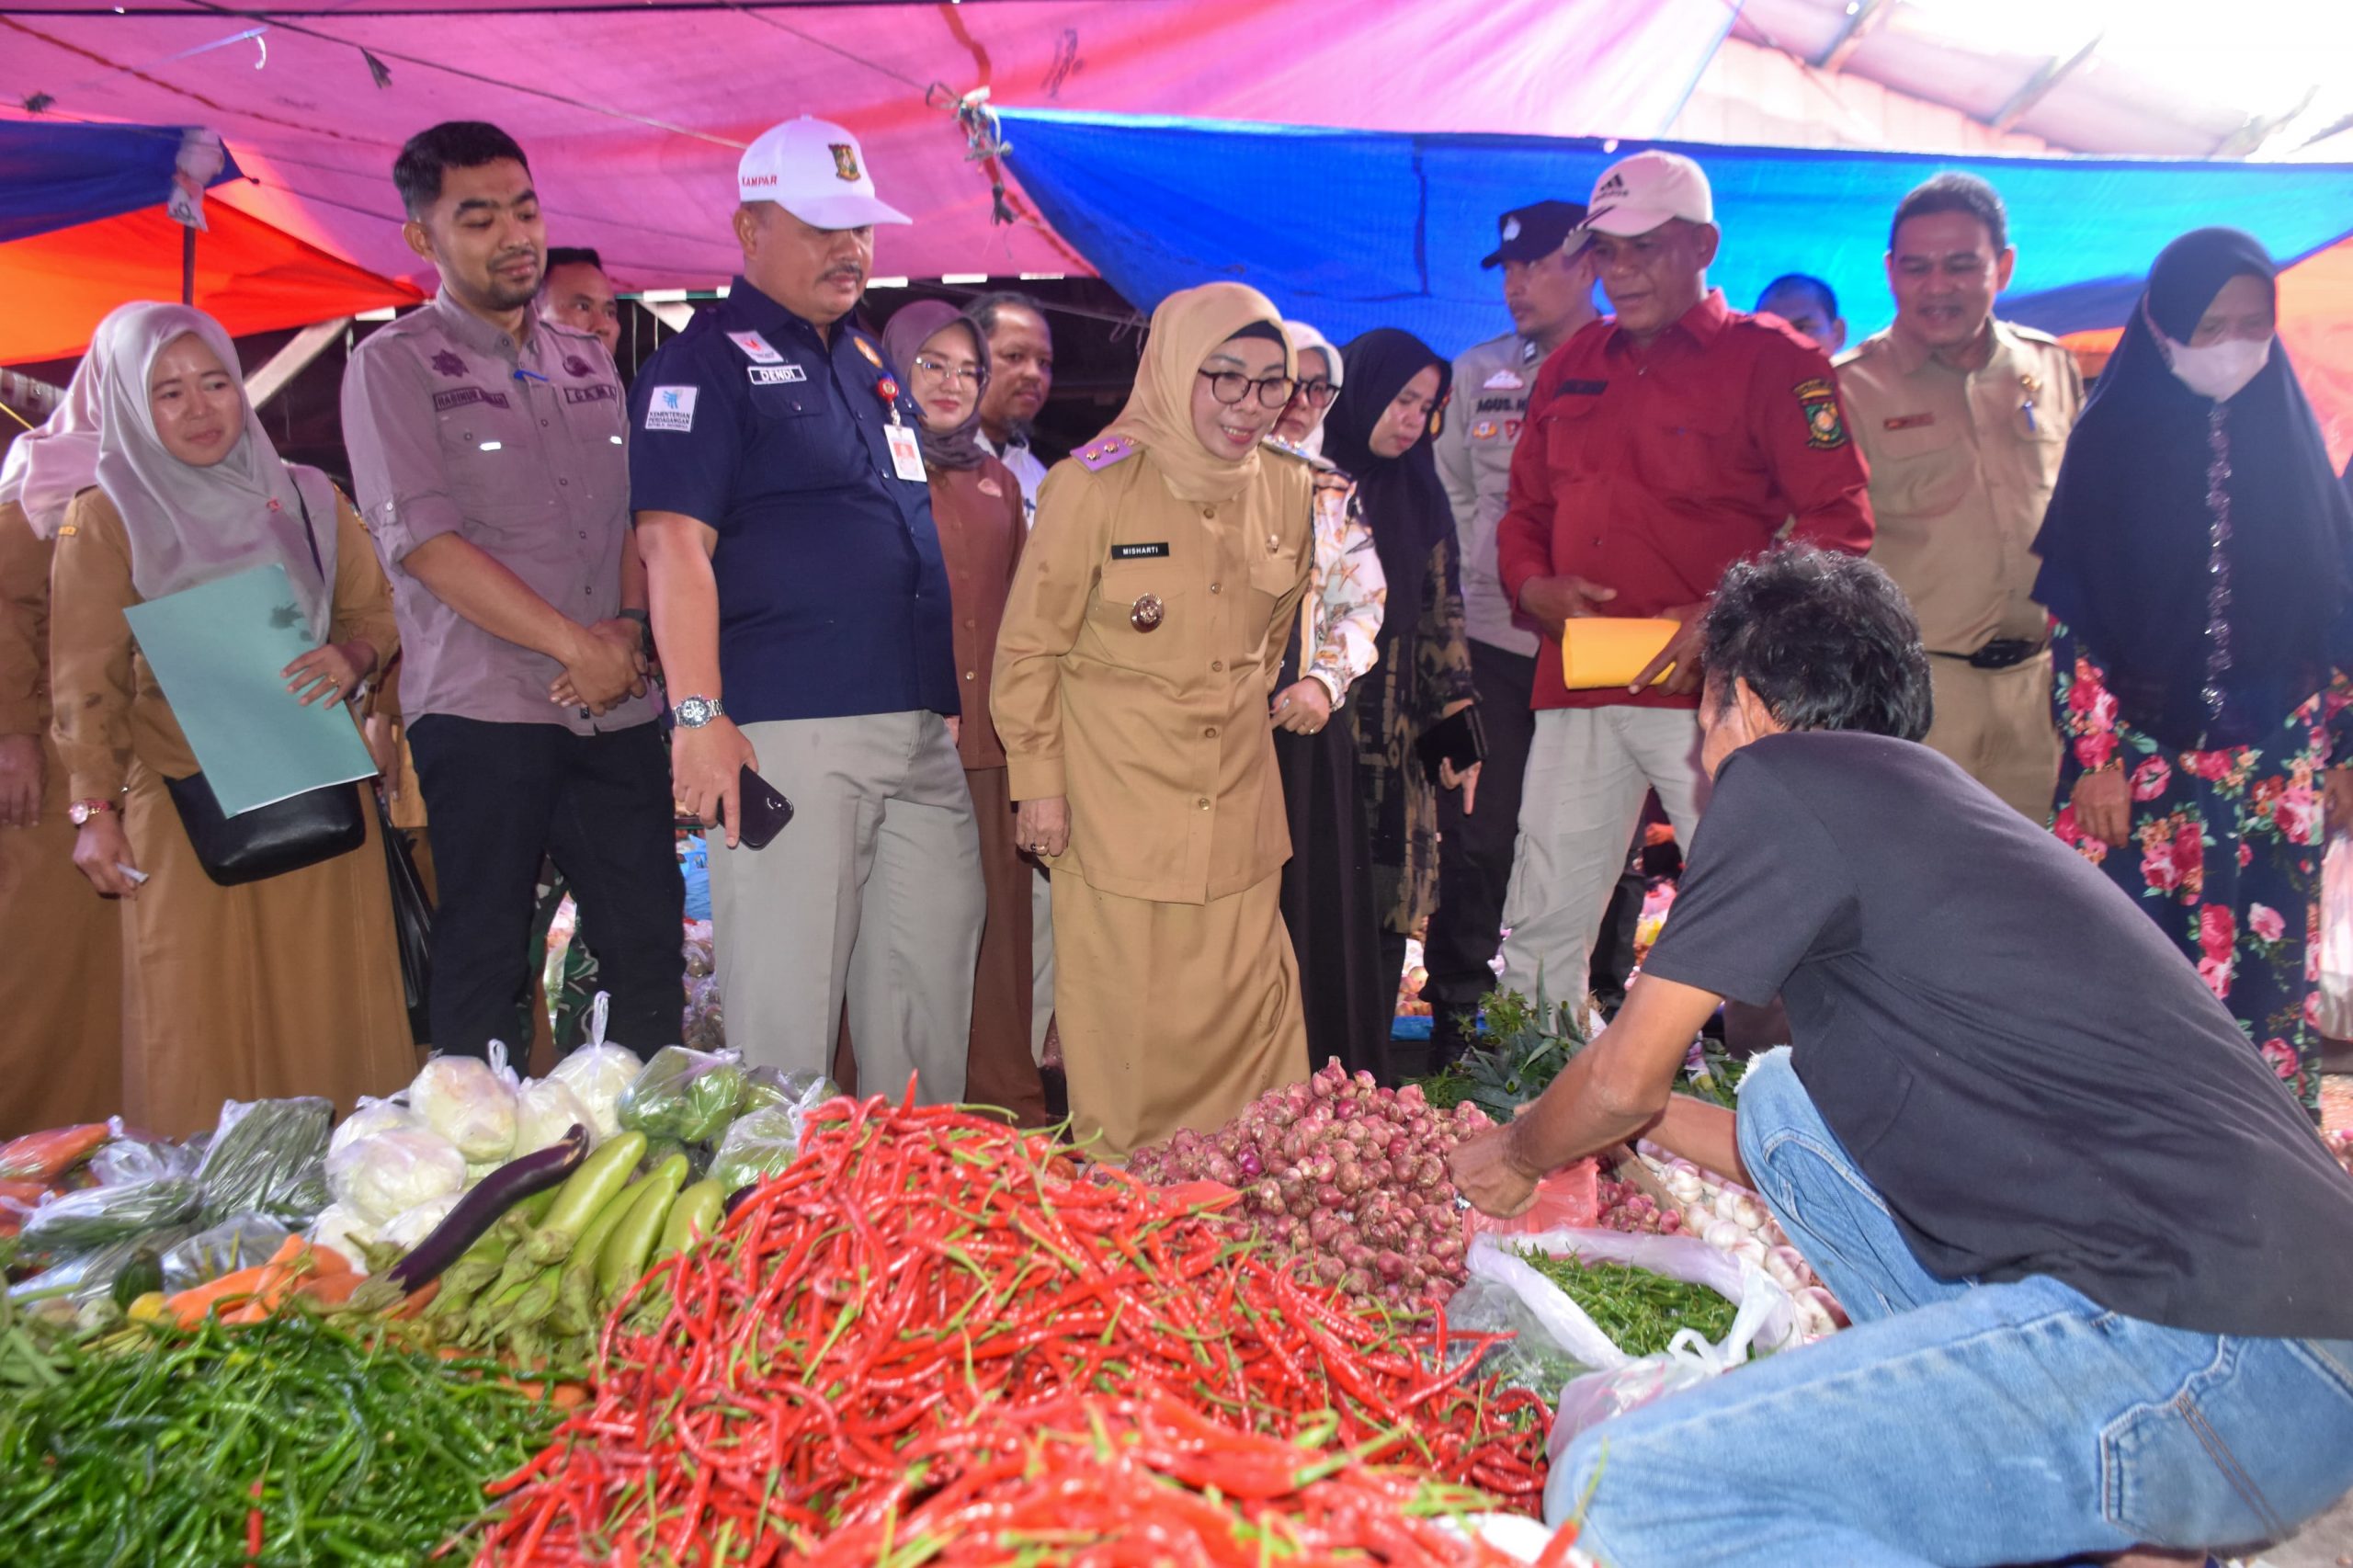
{"x":91,"y":1274}
{"x":761,"y":1143}
{"x":687,"y":1095}
{"x":78,"y":1222}
{"x":392,"y":1172}
{"x":598,"y":1074}
{"x":267,"y":1156}
{"x":2336,"y":1000}
{"x":370,"y":1117}
{"x":239,"y":1242}
{"x":470,"y":1102}
{"x":128,"y":1159}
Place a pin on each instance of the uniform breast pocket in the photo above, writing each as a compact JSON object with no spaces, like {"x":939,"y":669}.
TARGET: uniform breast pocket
{"x":1572,"y":432}
{"x":1686,"y":453}
{"x":1922,"y":472}
{"x":497,"y":475}
{"x":1142,"y":616}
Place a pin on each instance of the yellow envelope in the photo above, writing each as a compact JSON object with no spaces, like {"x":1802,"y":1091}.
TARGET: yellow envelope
{"x":1600,"y":650}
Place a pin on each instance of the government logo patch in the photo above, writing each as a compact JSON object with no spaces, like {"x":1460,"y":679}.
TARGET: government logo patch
{"x":1825,"y":429}
{"x":671,"y":408}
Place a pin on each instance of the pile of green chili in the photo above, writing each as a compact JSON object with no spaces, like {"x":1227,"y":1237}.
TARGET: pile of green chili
{"x":284,"y":1442}
{"x":1641,"y":1312}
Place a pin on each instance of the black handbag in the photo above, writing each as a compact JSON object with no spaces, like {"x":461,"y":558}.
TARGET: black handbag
{"x":269,"y":841}
{"x":411,"y":924}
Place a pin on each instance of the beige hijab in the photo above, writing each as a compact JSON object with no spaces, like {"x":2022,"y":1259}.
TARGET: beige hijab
{"x":188,"y":526}
{"x":47,"y":467}
{"x":1159,"y":415}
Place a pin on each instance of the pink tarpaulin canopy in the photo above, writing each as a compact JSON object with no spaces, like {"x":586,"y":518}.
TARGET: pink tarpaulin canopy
{"x":633,"y":113}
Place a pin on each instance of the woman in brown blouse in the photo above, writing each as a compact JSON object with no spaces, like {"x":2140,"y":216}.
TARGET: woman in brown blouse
{"x":283,"y":986}
{"x":976,"y":504}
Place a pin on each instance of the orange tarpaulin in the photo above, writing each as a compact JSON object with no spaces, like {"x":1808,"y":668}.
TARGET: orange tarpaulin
{"x":252,"y":278}
{"x":2315,"y":323}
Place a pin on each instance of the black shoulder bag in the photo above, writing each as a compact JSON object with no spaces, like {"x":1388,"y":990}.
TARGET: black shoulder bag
{"x":269,"y":841}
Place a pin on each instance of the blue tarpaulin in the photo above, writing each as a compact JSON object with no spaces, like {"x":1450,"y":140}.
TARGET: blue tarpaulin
{"x":1351,"y":229}
{"x":56,"y":176}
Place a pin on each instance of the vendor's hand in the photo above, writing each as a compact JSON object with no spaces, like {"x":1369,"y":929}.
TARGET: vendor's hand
{"x":1682,"y":651}
{"x":706,"y":774}
{"x":383,"y":733}
{"x":606,"y":667}
{"x":2337,"y":800}
{"x":2103,"y":803}
{"x":1042,"y":828}
{"x":22,"y":774}
{"x":101,"y":849}
{"x":1552,"y":600}
{"x":1487,"y":1170}
{"x":1467,"y":781}
{"x":1304,"y":706}
{"x":331,"y":674}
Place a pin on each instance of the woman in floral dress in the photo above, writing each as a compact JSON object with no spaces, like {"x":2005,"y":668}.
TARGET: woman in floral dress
{"x":2198,"y":558}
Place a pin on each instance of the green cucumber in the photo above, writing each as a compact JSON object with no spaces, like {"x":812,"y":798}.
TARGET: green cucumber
{"x":625,"y":1250}
{"x":696,"y":1214}
{"x":586,"y":1191}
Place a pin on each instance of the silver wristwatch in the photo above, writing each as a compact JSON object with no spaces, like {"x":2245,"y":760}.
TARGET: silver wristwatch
{"x":694,"y":712}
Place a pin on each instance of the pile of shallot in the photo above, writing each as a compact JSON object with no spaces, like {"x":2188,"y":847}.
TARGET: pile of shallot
{"x":1347,"y":1176}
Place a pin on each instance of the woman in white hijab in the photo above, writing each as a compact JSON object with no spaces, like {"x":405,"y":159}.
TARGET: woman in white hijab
{"x":288,"y":985}
{"x":60,"y":958}
{"x":1329,"y":906}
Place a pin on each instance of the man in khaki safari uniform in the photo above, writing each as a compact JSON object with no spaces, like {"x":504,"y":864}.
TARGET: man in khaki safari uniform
{"x":1963,"y":420}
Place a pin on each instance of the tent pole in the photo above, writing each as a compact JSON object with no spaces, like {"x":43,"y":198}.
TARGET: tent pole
{"x":187,"y":266}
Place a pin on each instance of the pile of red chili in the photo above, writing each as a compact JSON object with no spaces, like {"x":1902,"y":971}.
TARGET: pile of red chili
{"x":897,"y":1333}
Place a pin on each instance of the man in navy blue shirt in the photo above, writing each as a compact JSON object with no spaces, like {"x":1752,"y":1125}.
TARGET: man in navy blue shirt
{"x":801,"y":607}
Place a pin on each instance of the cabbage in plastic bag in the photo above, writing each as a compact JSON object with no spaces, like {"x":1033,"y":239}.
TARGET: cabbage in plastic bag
{"x":545,"y":1111}
{"x":266,"y":1155}
{"x":468,"y":1102}
{"x":686,"y":1095}
{"x":598,"y":1074}
{"x":343,"y":1228}
{"x":79,"y":1222}
{"x":385,"y":1176}
{"x":239,"y":1242}
{"x":370,"y":1117}
{"x":411,"y":1226}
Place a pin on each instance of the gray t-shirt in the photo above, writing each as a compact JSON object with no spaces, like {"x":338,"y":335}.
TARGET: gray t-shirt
{"x":2032,"y":1076}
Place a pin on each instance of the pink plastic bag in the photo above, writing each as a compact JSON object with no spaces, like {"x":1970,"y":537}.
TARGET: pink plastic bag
{"x":1568,"y":1199}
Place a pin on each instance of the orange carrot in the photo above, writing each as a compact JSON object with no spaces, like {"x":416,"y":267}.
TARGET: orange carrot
{"x":418,"y":1299}
{"x":45,"y":1157}
{"x":330,"y":1290}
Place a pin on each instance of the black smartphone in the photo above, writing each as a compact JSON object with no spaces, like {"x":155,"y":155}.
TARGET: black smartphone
{"x":764,"y":809}
{"x":1460,"y":740}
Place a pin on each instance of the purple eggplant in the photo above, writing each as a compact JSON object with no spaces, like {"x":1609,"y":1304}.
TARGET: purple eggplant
{"x":480,"y":1208}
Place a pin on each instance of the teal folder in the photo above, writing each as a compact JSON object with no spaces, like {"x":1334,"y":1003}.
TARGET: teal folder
{"x":216,"y":650}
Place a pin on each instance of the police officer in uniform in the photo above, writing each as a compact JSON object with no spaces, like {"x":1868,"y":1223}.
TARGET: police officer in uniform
{"x":1548,"y":287}
{"x":802,"y":608}
{"x":1963,"y":420}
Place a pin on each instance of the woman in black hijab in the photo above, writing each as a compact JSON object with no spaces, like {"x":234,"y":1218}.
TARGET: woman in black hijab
{"x":1378,"y":433}
{"x":2198,"y":556}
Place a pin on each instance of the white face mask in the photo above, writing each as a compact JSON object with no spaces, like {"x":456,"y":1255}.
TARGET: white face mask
{"x":2219,"y":369}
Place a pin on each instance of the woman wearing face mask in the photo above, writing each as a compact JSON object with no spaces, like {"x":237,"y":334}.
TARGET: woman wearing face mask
{"x":1327,"y":895}
{"x":291,"y":984}
{"x":976,"y":503}
{"x":1133,"y":674}
{"x":1378,"y":433}
{"x":2198,"y":558}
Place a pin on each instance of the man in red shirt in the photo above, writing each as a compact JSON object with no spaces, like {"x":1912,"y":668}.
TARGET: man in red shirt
{"x":1663,"y":444}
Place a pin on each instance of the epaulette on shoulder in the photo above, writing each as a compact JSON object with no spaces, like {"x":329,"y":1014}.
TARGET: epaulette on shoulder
{"x":2034,"y":335}
{"x":1103,"y":451}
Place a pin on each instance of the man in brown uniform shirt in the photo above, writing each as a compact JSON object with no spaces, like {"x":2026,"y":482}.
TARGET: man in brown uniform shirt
{"x":1963,"y":420}
{"x":488,"y":461}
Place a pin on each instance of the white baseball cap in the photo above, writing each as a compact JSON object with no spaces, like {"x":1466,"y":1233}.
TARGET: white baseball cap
{"x":816,"y":171}
{"x":1635,"y":195}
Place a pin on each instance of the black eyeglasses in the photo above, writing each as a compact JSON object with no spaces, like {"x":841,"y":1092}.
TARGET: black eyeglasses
{"x":1319,"y":393}
{"x":1229,"y":387}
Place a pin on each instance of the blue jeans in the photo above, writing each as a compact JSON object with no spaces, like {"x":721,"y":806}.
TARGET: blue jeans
{"x":1955,"y":1423}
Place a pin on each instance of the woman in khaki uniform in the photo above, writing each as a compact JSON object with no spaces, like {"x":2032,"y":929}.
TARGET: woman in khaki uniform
{"x":284,"y":986}
{"x":1139,"y":652}
{"x":61,"y":965}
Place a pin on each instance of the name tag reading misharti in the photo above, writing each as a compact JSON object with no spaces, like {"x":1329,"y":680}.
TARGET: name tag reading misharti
{"x":1140,"y":552}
